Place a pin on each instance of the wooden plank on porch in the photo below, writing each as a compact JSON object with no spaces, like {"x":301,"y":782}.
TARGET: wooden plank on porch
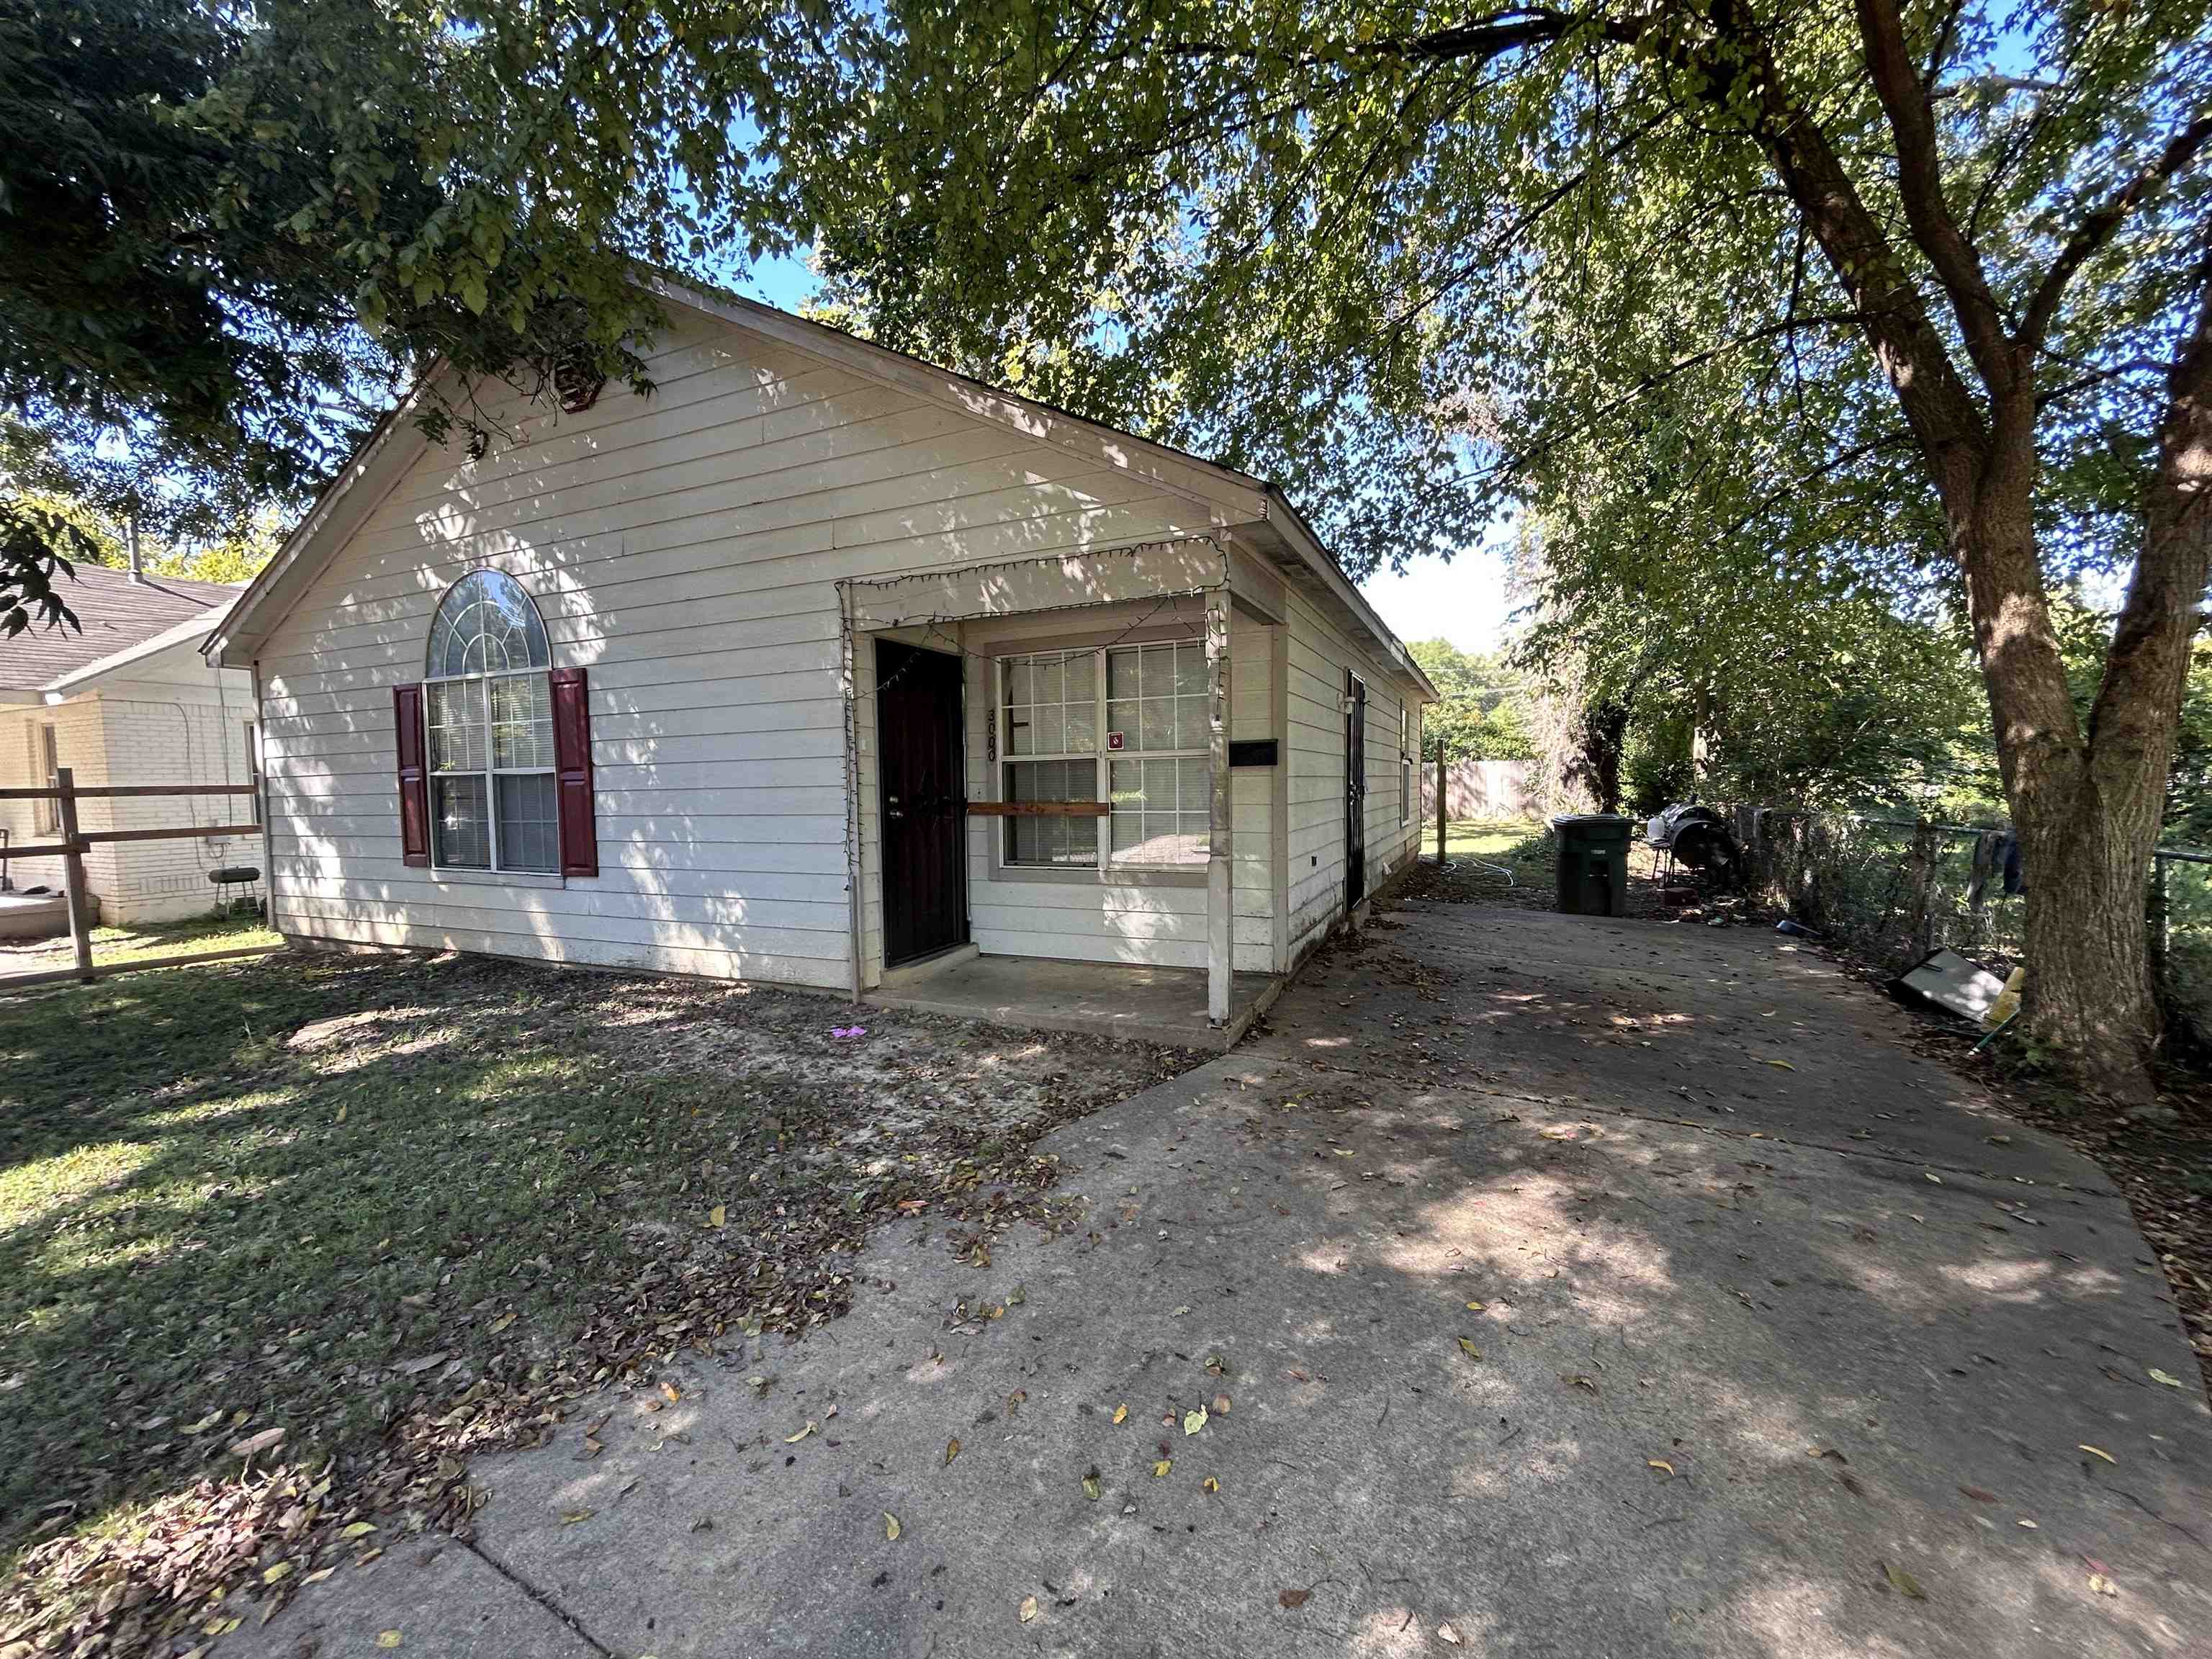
{"x":1038,"y":809}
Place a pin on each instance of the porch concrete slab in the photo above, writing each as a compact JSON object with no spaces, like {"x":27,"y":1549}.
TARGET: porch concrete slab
{"x":1109,"y":1000}
{"x":1556,"y":1368}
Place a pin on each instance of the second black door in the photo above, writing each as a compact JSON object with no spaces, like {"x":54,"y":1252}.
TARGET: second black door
{"x":924,"y":801}
{"x":1355,"y":789}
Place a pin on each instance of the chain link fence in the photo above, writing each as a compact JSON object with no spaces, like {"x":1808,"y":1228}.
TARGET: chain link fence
{"x":1892,"y":890}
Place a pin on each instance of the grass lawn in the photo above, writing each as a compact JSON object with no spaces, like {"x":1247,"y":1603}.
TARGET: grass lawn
{"x":404,"y":1208}
{"x":1481,"y":838}
{"x":135,"y":944}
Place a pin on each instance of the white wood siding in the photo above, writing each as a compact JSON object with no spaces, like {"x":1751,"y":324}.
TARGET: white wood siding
{"x":1319,"y":656}
{"x":685,"y":550}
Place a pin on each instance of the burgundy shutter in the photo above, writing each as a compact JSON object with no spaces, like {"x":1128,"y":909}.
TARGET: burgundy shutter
{"x":572,"y":765}
{"x":414,"y":781}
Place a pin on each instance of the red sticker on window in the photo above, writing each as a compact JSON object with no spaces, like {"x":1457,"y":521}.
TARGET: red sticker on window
{"x":1113,"y":740}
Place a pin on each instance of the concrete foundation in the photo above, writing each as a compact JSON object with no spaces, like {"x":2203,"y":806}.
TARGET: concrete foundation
{"x":1112,"y":999}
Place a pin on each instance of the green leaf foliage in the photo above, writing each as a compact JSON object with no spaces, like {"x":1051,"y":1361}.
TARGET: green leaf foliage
{"x":229,"y":236}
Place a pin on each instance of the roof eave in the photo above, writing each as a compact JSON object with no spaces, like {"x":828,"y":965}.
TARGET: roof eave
{"x":238,"y":627}
{"x":175,"y":634}
{"x":1282,"y":512}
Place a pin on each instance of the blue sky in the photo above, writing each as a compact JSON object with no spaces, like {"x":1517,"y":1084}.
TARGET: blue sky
{"x":1463,"y":601}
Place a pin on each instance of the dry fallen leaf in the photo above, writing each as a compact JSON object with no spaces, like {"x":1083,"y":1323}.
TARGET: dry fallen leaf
{"x":1028,"y":1608}
{"x":1121,"y":1414}
{"x":1193,"y":1419}
{"x":357,"y":1529}
{"x":1092,"y":1489}
{"x":1660,"y":1464}
{"x":1469,"y":1349}
{"x":2103,"y":1585}
{"x":891,"y":1525}
{"x":1210,"y":1484}
{"x":718,"y":1215}
{"x":1476,"y":1307}
{"x":1295,"y":1598}
{"x":1221,"y":1404}
{"x":1446,"y":1633}
{"x":2096,"y":1451}
{"x":1162,"y":1467}
{"x":1902,"y":1582}
{"x":1782,"y":1064}
{"x":2157,"y":1376}
{"x":793,"y":1439}
{"x":951,"y":1451}
{"x":387,"y":1638}
{"x":672,"y":1392}
{"x":254,"y":1443}
{"x":572,"y":1517}
{"x":502,"y":1322}
{"x":1979,"y":1494}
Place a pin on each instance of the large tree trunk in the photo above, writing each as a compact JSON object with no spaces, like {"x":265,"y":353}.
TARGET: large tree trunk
{"x":2089,"y":820}
{"x":2085,"y":804}
{"x":1601,"y":739}
{"x":2088,"y":998}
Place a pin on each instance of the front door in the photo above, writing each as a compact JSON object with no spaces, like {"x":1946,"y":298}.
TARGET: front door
{"x":924,"y":801}
{"x":1355,"y":789}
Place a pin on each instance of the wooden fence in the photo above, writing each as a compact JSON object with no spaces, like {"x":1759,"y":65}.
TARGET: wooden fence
{"x":74,"y":843}
{"x":1481,"y":789}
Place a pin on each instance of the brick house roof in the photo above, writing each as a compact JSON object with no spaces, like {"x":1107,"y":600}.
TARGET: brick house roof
{"x":114,"y":613}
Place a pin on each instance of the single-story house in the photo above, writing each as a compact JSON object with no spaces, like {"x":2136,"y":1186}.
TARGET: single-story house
{"x":128,"y":700}
{"x":816,"y":663}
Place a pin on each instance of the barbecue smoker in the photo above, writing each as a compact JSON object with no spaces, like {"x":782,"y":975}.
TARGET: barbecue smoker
{"x":1698,"y":839}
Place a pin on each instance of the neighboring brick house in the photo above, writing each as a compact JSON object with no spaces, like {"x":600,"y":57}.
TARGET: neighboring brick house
{"x":128,"y":700}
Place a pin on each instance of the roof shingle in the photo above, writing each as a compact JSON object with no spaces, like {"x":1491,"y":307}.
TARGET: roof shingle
{"x":114,"y":612}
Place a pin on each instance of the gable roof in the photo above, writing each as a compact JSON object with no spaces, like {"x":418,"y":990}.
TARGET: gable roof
{"x":396,"y":442}
{"x":115,"y":615}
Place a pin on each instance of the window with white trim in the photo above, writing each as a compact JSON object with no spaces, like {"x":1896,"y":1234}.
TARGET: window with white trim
{"x":1405,"y":768}
{"x":487,"y":711}
{"x":46,"y":763}
{"x":1130,"y":721}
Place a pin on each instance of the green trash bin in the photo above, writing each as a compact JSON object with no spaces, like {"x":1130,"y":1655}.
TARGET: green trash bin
{"x":1593,"y":870}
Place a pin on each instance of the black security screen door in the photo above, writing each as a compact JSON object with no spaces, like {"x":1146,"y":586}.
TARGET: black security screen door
{"x":924,"y":801}
{"x":1355,"y":789}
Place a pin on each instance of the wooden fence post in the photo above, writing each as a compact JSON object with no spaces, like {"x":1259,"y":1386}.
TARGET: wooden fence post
{"x":80,"y":920}
{"x":1920,"y":872}
{"x":1440,"y":806}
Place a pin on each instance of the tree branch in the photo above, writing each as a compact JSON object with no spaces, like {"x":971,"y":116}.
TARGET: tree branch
{"x":1920,"y":184}
{"x":2099,"y":228}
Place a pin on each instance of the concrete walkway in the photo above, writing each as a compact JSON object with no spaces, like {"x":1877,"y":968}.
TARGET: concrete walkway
{"x":1578,"y":1287}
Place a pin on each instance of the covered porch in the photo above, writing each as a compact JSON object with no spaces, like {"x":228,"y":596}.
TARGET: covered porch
{"x":1046,"y":827}
{"x":1127,"y":1003}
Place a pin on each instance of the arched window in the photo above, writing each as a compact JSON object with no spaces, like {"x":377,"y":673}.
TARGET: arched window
{"x":488,"y":712}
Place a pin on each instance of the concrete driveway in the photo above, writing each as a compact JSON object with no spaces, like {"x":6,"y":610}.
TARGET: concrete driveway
{"x":1576,"y":1287}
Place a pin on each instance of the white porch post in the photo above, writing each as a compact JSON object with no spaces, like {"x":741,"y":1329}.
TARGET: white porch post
{"x":1219,"y":926}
